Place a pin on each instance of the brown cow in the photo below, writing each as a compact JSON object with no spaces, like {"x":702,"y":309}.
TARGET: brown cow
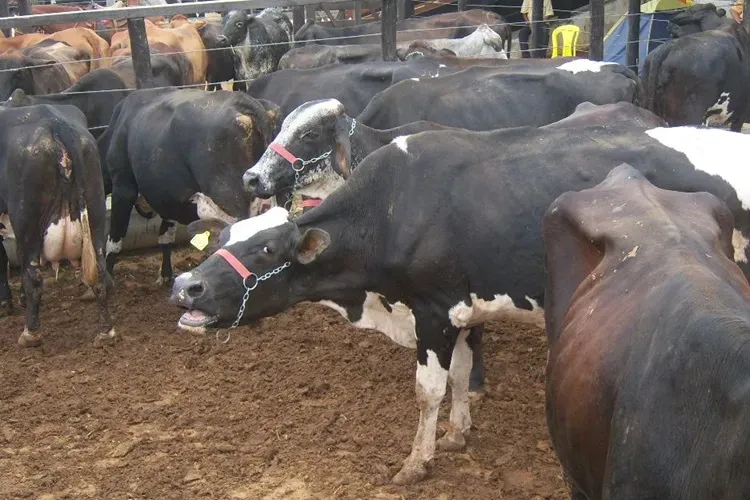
{"x":181,"y":37}
{"x":648,"y":321}
{"x":83,"y":39}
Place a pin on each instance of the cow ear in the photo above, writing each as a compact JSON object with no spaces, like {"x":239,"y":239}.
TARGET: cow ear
{"x":312,"y":243}
{"x":342,"y":149}
{"x":273,"y":111}
{"x":198,"y":229}
{"x":200,"y":25}
{"x":721,"y":12}
{"x":18,"y":98}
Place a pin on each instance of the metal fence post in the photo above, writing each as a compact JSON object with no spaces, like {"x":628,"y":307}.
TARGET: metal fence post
{"x":596,"y":43}
{"x":141,"y":53}
{"x":388,"y":32}
{"x":634,"y":30}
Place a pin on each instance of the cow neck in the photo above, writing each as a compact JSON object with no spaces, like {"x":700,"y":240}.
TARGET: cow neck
{"x":346,"y":267}
{"x":365,"y":140}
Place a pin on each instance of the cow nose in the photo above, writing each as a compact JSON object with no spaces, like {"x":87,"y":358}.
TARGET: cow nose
{"x":251,"y":180}
{"x":187,"y":289}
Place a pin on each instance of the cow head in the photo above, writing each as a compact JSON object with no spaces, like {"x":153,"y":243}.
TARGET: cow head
{"x":309,"y":132}
{"x":234,"y":27}
{"x":697,"y":18}
{"x":422,"y":48}
{"x":489,"y":37}
{"x":18,"y":73}
{"x":268,"y":246}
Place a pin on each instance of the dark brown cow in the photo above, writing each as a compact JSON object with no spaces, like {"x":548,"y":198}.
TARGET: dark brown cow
{"x":648,"y":321}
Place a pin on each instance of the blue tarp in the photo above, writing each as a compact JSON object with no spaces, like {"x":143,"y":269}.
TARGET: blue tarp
{"x":653,"y":33}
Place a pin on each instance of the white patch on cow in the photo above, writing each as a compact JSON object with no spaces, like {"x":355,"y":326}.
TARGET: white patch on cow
{"x":580,"y":65}
{"x":208,"y":209}
{"x":169,"y":236}
{"x":718,"y":115}
{"x":501,"y":307}
{"x":63,"y":239}
{"x":7,"y":228}
{"x":113,"y":246}
{"x":458,"y":377}
{"x":740,"y":244}
{"x":399,"y":325}
{"x":247,"y":228}
{"x":320,"y":183}
{"x":414,"y":79}
{"x":714,"y":151}
{"x":442,"y":66}
{"x":400,"y":143}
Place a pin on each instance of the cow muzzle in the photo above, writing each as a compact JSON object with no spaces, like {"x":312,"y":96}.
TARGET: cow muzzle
{"x":185,"y":292}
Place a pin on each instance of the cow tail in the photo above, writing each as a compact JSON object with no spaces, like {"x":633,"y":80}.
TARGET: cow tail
{"x":71,"y":154}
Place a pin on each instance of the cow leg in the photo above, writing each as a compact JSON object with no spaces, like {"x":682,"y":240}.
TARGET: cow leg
{"x":32,"y":286}
{"x":123,"y":199}
{"x":458,"y":377}
{"x":476,"y":380}
{"x":6,"y":299}
{"x":434,"y":346}
{"x":167,"y":232}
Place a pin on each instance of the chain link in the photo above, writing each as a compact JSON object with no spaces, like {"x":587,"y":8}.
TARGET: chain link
{"x":249,"y":289}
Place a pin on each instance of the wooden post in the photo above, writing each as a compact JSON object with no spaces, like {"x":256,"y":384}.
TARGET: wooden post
{"x":537,"y":15}
{"x":461,"y":5}
{"x":401,"y":9}
{"x":141,"y":53}
{"x":357,"y":11}
{"x":388,"y":32}
{"x":24,"y":7}
{"x":310,"y":13}
{"x":5,"y":12}
{"x":634,"y":31}
{"x":298,"y":17}
{"x":596,"y":42}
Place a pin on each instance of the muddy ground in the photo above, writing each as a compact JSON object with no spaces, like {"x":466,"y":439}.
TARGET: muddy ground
{"x":301,"y":406}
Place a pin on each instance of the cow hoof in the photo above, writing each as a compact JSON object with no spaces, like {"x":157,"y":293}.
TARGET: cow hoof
{"x":106,"y":339}
{"x":452,"y":441}
{"x":164,"y":280}
{"x":410,"y":473}
{"x":28,"y":339}
{"x":6,"y":308}
{"x":88,"y":295}
{"x":22,"y":301}
{"x":476,"y":396}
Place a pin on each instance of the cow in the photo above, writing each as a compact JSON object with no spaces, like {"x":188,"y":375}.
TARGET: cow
{"x":87,"y":41}
{"x":647,"y":320}
{"x":44,"y":68}
{"x":184,"y":151}
{"x":449,"y":25}
{"x":180,"y":38}
{"x":450,"y":238}
{"x":220,"y":67}
{"x":316,"y":56}
{"x":481,"y":98}
{"x":483,"y":42}
{"x":700,"y":78}
{"x":697,"y":18}
{"x":52,"y":202}
{"x":356,"y":84}
{"x":258,"y":41}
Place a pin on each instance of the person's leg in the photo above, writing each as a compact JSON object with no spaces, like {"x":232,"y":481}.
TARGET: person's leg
{"x":523,"y":40}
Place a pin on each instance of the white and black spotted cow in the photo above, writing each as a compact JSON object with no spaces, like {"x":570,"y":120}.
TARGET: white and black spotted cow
{"x":184,"y":151}
{"x":258,"y":41}
{"x":446,"y":227}
{"x":52,"y":203}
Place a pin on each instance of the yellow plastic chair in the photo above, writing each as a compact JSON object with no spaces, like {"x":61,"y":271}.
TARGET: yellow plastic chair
{"x":568,"y":33}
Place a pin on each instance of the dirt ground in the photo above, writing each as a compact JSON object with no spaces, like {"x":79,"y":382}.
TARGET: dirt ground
{"x":301,"y":406}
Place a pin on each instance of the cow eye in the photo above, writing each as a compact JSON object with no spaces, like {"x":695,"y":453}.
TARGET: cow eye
{"x":267,"y":250}
{"x":239,"y":24}
{"x":312,"y":134}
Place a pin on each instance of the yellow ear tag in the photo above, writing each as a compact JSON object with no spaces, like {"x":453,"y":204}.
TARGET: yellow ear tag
{"x":200,"y":240}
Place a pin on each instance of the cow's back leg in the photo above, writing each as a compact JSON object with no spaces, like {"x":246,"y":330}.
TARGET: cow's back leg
{"x":32,"y":283}
{"x":6,"y":299}
{"x":476,"y":379}
{"x":458,"y":377}
{"x":167,"y":232}
{"x":124,"y":194}
{"x":435,"y":342}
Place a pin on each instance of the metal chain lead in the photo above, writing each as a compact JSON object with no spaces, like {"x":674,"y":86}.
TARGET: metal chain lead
{"x":249,"y":289}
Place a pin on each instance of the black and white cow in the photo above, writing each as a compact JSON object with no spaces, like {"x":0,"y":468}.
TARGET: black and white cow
{"x":481,"y":98}
{"x":52,"y":203}
{"x":184,"y":151}
{"x":439,"y":232}
{"x":258,"y":41}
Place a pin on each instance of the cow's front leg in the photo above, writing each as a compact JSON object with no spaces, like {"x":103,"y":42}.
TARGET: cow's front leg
{"x":458,"y":377}
{"x":6,"y":299}
{"x":167,"y":233}
{"x":32,"y":285}
{"x":434,"y":347}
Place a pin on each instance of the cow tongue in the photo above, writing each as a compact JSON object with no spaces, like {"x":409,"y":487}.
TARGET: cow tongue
{"x":195,"y":317}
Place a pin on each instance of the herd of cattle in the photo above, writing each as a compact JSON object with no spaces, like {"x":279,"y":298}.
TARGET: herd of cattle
{"x":422,"y":198}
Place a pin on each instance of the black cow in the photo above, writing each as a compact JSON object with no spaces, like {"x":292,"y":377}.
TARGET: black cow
{"x":184,"y":151}
{"x":647,"y":374}
{"x":482,"y":98}
{"x":354,"y":85}
{"x":37,"y":69}
{"x":258,"y":41}
{"x":316,"y":56}
{"x":220,"y":57}
{"x":700,"y":78}
{"x":52,"y":200}
{"x":697,"y":18}
{"x":450,"y":238}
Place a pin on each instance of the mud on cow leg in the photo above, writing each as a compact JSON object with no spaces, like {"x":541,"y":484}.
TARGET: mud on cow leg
{"x":32,"y":285}
{"x":167,"y":232}
{"x":458,"y":377}
{"x":477,"y":378}
{"x":6,"y":298}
